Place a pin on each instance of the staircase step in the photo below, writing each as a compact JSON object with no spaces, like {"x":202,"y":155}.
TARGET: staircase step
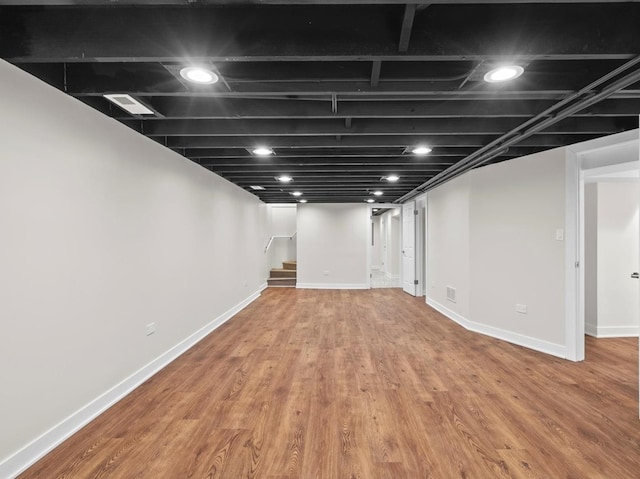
{"x":282,"y":282}
{"x":290,"y":264}
{"x":283,"y":273}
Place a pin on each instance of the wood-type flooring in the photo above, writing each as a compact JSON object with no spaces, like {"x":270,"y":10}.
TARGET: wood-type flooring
{"x":365,"y":384}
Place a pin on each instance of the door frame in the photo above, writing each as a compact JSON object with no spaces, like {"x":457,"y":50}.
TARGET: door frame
{"x":580,"y":160}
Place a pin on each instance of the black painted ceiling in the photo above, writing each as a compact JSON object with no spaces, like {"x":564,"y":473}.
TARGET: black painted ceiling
{"x":341,"y":89}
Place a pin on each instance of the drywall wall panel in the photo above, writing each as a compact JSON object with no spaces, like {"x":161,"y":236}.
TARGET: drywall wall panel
{"x":591,"y":258}
{"x":103,"y":232}
{"x":332,"y":245}
{"x":448,"y":246}
{"x":517,"y":250}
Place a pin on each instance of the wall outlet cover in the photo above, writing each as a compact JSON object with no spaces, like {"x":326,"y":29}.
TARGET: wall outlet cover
{"x":521,"y":308}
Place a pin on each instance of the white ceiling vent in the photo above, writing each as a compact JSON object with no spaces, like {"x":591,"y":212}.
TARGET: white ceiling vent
{"x":128,"y":103}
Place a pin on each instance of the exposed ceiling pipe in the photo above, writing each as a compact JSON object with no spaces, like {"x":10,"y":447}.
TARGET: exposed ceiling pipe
{"x":511,"y":138}
{"x":622,"y":83}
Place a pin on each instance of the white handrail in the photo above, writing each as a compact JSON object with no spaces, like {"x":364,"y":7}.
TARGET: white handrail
{"x":273,"y":237}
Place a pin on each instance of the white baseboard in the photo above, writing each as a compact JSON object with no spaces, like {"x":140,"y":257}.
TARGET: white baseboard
{"x":591,"y":329}
{"x":615,"y":331}
{"x":332,"y":286}
{"x":36,"y":449}
{"x":511,"y":337}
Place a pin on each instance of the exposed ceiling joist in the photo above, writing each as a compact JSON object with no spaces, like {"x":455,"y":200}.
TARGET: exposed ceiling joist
{"x":341,"y":91}
{"x":283,"y":33}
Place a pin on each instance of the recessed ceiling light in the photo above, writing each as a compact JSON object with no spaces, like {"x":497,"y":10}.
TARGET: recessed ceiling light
{"x":302,"y":201}
{"x":256,"y":187}
{"x":378,"y":193}
{"x":284,"y":178}
{"x":370,"y":200}
{"x":391,"y":178}
{"x":262,"y":151}
{"x":503,"y":73}
{"x":128,"y":103}
{"x":199,"y":75}
{"x":297,"y":193}
{"x":421,"y":150}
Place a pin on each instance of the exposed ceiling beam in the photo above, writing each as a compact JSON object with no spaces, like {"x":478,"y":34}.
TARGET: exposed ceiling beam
{"x":372,"y":154}
{"x":375,"y":126}
{"x":548,"y":141}
{"x":232,"y":108}
{"x":289,"y":2}
{"x":375,"y":73}
{"x":407,"y":25}
{"x":278,"y":33}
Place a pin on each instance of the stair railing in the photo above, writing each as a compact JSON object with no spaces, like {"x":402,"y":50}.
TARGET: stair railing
{"x":274,"y":237}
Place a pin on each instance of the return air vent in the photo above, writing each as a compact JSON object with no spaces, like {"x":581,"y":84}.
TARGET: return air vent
{"x":451,"y":294}
{"x":129,"y":104}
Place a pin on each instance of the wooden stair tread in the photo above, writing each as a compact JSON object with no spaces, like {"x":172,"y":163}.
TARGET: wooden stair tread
{"x":290,"y":265}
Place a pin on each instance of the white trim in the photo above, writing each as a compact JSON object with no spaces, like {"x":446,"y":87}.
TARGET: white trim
{"x":36,"y":449}
{"x":575,"y":324}
{"x":573,"y":309}
{"x":515,"y":338}
{"x":615,"y":331}
{"x":333,"y":286}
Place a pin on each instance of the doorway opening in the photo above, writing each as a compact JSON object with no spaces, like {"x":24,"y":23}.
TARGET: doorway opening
{"x":385,"y":246}
{"x":606,"y":218}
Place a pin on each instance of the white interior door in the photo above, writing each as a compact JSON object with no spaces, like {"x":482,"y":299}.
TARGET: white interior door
{"x":409,"y":247}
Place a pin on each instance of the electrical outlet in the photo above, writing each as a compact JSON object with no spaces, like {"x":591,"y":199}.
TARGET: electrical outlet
{"x":521,"y":308}
{"x":559,"y":235}
{"x":150,"y":328}
{"x":325,"y":273}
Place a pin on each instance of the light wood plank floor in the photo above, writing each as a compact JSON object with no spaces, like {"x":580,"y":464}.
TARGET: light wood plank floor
{"x":365,"y":384}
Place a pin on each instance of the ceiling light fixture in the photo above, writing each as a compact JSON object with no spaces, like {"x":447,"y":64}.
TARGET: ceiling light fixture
{"x":297,"y":193}
{"x":503,"y":73}
{"x":302,"y":201}
{"x":262,"y":151}
{"x":199,"y":75}
{"x":391,"y":178}
{"x":421,"y":150}
{"x":284,"y":178}
{"x":370,"y":200}
{"x":256,"y":187}
{"x":377,"y":193}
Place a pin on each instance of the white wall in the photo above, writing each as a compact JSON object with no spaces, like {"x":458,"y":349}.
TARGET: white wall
{"x":390,"y":231}
{"x":591,"y":258}
{"x":103,"y":231}
{"x":332,"y":246}
{"x":516,"y":208}
{"x":617,"y":308}
{"x":448,"y":245}
{"x":491,"y":236}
